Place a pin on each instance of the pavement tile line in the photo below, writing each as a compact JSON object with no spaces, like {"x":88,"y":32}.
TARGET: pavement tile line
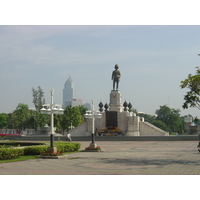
{"x":135,"y":162}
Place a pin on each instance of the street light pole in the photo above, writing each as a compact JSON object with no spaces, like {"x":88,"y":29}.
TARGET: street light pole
{"x":52,"y":120}
{"x":51,"y":110}
{"x":92,"y":114}
{"x":93,"y":140}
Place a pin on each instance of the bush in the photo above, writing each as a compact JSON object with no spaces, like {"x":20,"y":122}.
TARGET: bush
{"x":35,"y":150}
{"x":7,"y":154}
{"x":12,"y":153}
{"x":61,"y":147}
{"x":67,"y":147}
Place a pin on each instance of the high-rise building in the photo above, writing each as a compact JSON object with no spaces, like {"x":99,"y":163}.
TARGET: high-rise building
{"x":68,"y":95}
{"x":68,"y":91}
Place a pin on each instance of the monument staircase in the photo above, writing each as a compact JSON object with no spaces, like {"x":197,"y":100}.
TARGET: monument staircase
{"x":149,"y":129}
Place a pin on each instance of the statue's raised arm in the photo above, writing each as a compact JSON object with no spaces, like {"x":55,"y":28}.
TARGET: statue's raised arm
{"x":115,"y":77}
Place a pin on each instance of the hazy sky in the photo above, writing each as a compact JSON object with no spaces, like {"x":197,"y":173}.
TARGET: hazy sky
{"x":153,"y":60}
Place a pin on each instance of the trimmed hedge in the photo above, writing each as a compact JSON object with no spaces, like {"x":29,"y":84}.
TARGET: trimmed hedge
{"x":67,"y":147}
{"x":8,"y":154}
{"x":61,"y":146}
{"x":12,"y":153}
{"x":35,"y":150}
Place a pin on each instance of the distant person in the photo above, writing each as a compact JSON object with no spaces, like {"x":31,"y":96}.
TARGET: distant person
{"x":69,"y":137}
{"x":96,"y":132}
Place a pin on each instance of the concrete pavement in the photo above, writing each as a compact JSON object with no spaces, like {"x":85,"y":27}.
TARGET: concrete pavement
{"x":120,"y":157}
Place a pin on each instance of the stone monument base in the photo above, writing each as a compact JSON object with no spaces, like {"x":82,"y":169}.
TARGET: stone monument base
{"x":115,"y":101}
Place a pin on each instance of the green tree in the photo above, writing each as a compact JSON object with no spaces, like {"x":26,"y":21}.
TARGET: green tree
{"x":41,"y":119}
{"x":57,"y":122}
{"x":36,"y":119}
{"x":170,"y":117}
{"x":22,"y":115}
{"x":3,"y":120}
{"x":160,"y":124}
{"x":147,"y":117}
{"x":72,"y":115}
{"x":38,"y":98}
{"x":22,"y":118}
{"x":12,"y":121}
{"x":82,"y":109}
{"x":192,"y":97}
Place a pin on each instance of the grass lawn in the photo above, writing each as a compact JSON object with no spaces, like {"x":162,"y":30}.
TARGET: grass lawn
{"x":22,"y":158}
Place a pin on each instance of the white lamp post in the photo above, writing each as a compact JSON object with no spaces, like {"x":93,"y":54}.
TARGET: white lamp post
{"x":71,"y":127}
{"x":93,"y":114}
{"x":52,"y":109}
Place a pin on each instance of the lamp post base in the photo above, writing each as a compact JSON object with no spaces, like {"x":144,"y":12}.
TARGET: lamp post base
{"x":93,"y":148}
{"x":52,"y":150}
{"x":93,"y":145}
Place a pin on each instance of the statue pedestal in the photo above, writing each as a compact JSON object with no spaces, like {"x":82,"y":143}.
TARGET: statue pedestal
{"x":116,"y":101}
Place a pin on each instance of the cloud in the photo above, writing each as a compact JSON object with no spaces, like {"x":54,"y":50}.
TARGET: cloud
{"x":25,"y":44}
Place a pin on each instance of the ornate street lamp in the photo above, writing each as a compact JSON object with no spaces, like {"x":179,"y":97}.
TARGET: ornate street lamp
{"x":52,"y":109}
{"x":71,"y":126}
{"x":92,"y":114}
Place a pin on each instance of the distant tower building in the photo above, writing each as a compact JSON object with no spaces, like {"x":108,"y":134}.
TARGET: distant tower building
{"x":68,"y":91}
{"x":68,"y":95}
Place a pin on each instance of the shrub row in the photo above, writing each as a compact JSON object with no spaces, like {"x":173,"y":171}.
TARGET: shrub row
{"x":61,"y":146}
{"x":67,"y":147}
{"x":6,"y":154}
{"x":35,"y":150}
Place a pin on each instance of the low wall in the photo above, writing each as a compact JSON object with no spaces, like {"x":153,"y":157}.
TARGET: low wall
{"x":106,"y":138}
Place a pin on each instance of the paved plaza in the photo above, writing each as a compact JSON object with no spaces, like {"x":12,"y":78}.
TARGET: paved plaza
{"x":119,"y":158}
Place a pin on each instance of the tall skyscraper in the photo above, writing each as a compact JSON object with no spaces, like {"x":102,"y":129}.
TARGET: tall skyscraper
{"x":68,"y":91}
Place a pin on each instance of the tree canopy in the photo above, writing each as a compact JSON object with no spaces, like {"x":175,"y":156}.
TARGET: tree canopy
{"x":72,"y":116}
{"x":192,"y":97}
{"x":171,"y":118}
{"x":167,"y":119}
{"x":3,"y":120}
{"x":23,"y":118}
{"x":38,"y":98}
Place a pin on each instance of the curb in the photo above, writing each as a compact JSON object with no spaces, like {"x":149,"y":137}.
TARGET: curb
{"x":52,"y":157}
{"x":96,"y":150}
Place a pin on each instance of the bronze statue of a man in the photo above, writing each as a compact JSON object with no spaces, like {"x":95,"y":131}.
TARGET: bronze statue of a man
{"x":116,"y":76}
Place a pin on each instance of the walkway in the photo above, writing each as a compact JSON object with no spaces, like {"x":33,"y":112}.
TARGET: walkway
{"x":120,"y":157}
